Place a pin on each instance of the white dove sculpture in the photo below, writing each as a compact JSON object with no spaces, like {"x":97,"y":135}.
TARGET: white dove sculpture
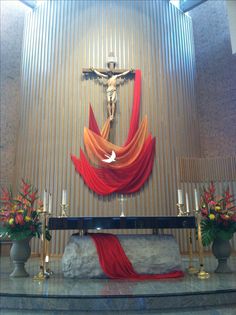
{"x":110,"y":158}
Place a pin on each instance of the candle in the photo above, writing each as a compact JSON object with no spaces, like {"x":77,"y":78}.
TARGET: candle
{"x":64,"y":197}
{"x":187,"y":203}
{"x":180,"y":197}
{"x":50,"y":204}
{"x":45,"y":201}
{"x":47,"y":259}
{"x":196,"y":199}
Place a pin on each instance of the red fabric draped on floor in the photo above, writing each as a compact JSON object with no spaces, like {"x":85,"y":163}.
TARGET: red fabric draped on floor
{"x":116,"y":264}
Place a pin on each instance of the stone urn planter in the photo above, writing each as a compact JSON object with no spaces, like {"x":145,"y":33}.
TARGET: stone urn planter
{"x":20,"y":253}
{"x":221,"y":249}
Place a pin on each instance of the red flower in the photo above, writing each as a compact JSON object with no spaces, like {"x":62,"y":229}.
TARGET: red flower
{"x":19,"y":219}
{"x":26,"y":187}
{"x":204,"y":212}
{"x":228,"y":196}
{"x":212,"y":188}
{"x":5,"y":195}
{"x":207,"y":196}
{"x":33,"y":196}
{"x":225,"y":217}
{"x":212,"y":203}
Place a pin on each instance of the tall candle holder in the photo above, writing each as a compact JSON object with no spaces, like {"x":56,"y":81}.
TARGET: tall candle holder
{"x":202,"y":274}
{"x":64,"y":210}
{"x":191,"y":269}
{"x":48,"y":271}
{"x":180,"y":207}
{"x":44,"y":262}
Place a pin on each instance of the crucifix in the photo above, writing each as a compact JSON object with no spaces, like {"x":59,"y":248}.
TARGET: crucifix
{"x":111,"y":75}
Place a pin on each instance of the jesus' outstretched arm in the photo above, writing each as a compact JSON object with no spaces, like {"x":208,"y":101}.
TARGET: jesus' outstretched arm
{"x":124,"y":73}
{"x":99,"y":73}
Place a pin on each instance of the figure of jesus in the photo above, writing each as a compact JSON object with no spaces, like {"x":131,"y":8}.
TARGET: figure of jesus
{"x":111,"y":86}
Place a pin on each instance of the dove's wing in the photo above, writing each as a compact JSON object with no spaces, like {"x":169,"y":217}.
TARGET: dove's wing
{"x":113,"y":155}
{"x":111,"y":158}
{"x":107,"y":160}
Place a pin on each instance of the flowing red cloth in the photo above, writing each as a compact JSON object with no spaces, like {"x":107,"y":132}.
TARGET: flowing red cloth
{"x":126,"y":180}
{"x":134,"y":160}
{"x":116,"y":264}
{"x":134,"y":120}
{"x":92,"y":122}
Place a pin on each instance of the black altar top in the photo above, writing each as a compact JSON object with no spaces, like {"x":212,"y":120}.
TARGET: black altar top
{"x":86,"y":223}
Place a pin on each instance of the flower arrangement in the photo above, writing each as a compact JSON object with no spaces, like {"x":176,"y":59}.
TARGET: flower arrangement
{"x":218,"y":215}
{"x":20,"y":216}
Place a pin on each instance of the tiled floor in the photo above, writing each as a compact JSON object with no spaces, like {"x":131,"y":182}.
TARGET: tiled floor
{"x":203,"y":311}
{"x":57,"y":285}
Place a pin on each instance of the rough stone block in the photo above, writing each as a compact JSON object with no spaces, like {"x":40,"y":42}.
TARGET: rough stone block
{"x":147,"y":253}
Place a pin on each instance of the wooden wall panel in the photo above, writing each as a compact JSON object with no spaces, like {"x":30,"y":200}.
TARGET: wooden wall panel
{"x":207,"y":169}
{"x":198,"y":172}
{"x":62,"y":37}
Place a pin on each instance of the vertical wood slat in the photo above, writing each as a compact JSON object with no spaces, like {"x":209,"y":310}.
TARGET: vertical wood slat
{"x":62,"y":37}
{"x":206,"y":169}
{"x":196,"y":172}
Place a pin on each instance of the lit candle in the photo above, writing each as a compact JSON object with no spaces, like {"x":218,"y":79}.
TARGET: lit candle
{"x":64,"y":197}
{"x":45,"y":201}
{"x":196,"y":199}
{"x":180,"y":197}
{"x":50,"y":204}
{"x":187,"y":203}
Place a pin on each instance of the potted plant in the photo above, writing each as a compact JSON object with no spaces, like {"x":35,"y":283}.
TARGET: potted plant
{"x":19,"y":222}
{"x":218,"y":223}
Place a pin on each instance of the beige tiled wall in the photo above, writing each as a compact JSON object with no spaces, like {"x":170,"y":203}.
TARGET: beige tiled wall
{"x":11,"y":36}
{"x":216,"y":79}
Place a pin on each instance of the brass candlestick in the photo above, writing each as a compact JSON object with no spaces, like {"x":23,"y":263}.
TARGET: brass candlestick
{"x":48,"y":271}
{"x":44,"y":270}
{"x":202,"y":274}
{"x":180,"y":207}
{"x":191,"y":269}
{"x":64,"y":209}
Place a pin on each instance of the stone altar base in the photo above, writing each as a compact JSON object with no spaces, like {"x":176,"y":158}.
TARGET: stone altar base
{"x":149,"y":254}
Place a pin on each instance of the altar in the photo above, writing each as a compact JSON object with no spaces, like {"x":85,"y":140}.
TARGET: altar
{"x":150,"y":254}
{"x":132,"y":222}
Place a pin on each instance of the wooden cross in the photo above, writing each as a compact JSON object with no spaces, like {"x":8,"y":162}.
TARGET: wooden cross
{"x":111,"y":74}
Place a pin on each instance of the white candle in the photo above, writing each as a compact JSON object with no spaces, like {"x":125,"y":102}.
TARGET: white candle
{"x":180,"y":197}
{"x":47,"y":259}
{"x":45,"y":201}
{"x":50,"y":204}
{"x":64,"y":197}
{"x":187,"y":203}
{"x":196,"y":199}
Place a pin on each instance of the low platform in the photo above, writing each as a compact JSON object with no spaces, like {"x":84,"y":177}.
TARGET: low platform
{"x":59,"y":295}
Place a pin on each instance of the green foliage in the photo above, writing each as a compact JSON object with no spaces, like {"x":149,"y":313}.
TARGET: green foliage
{"x":208,"y":232}
{"x":218,"y":215}
{"x":212,"y":230}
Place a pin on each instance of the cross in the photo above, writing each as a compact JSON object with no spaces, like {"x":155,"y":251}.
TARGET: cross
{"x":111,"y":74}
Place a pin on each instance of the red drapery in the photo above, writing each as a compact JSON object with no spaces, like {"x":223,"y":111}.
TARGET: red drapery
{"x":134,"y":160}
{"x":116,"y":264}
